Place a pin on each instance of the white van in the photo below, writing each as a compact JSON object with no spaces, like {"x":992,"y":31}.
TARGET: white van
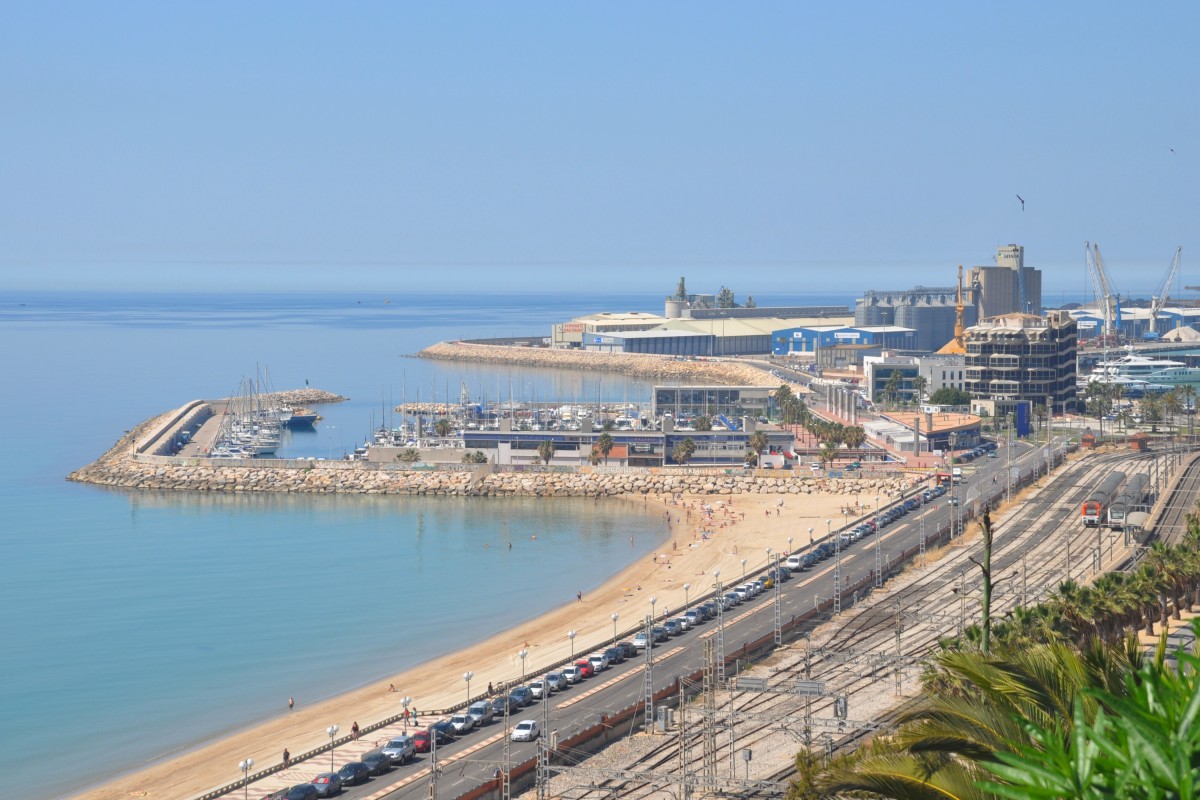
{"x":794,"y":561}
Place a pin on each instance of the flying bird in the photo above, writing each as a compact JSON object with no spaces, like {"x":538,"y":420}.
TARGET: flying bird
{"x":1172,"y":149}
{"x":1022,"y":199}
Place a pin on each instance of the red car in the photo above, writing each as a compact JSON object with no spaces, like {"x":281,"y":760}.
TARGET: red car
{"x":585,"y":668}
{"x":421,"y":741}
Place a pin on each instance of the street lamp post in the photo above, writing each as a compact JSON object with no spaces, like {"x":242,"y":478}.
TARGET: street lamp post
{"x":789,"y":552}
{"x":615,"y":617}
{"x":837,"y":570}
{"x":245,"y":765}
{"x":686,"y":604}
{"x":467,"y":677}
{"x":571,"y":636}
{"x":810,"y":540}
{"x":522,"y":656}
{"x":404,"y":701}
{"x":332,"y":730}
{"x":653,"y":600}
{"x":743,"y":570}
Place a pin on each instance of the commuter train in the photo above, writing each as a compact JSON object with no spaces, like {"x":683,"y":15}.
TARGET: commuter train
{"x":1129,"y":499}
{"x":1097,"y":502}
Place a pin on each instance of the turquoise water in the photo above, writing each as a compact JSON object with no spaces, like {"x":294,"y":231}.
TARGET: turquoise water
{"x":138,"y":624}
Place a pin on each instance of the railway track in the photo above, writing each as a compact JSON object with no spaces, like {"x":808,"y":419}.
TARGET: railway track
{"x":887,"y":636}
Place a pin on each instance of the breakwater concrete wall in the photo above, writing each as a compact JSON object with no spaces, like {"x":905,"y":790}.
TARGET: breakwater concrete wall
{"x":727,"y":372}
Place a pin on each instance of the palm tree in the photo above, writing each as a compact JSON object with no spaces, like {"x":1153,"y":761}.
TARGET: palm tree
{"x":919,"y":383}
{"x":854,"y":436}
{"x":758,"y":443}
{"x":683,"y":451}
{"x":604,"y":444}
{"x":443,"y":427}
{"x":703,"y":423}
{"x":1172,"y":406}
{"x":1189,"y":393}
{"x":546,"y":451}
{"x":1152,"y":409}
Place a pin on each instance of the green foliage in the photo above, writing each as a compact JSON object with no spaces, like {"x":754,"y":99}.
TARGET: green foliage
{"x":604,"y":445}
{"x":950,"y":396}
{"x":443,"y":427}
{"x":703,"y":423}
{"x":476,"y":457}
{"x":408,"y":456}
{"x":682,"y":452}
{"x":546,"y":451}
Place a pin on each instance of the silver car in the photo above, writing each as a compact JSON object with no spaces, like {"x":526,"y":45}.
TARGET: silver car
{"x":401,"y":749}
{"x":463,"y":723}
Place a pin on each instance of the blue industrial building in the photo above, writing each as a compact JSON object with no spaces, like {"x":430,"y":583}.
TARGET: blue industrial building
{"x":811,"y":339}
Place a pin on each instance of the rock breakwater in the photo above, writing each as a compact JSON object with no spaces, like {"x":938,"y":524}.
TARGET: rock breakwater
{"x":158,"y":473}
{"x":665,"y":368}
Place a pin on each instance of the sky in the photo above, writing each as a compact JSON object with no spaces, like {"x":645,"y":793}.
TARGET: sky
{"x":774,"y":147}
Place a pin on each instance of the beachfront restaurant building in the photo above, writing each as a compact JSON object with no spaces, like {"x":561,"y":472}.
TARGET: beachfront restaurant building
{"x":637,"y":448}
{"x":700,"y":337}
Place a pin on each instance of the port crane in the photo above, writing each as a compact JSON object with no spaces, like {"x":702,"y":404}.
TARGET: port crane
{"x":1110,"y":310}
{"x":1159,"y":300}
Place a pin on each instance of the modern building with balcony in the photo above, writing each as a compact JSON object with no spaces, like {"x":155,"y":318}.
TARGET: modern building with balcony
{"x":1021,"y":359}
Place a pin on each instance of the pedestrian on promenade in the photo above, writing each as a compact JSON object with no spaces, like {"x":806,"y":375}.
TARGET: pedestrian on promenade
{"x":414,"y":716}
{"x":354,"y":731}
{"x":490,"y":689}
{"x":291,"y":703}
{"x":406,"y":716}
{"x":287,"y":758}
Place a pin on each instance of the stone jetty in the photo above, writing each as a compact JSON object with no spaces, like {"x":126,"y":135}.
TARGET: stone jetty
{"x":665,"y":368}
{"x":161,"y":473}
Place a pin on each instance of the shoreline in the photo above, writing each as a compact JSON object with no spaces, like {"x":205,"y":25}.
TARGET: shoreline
{"x":756,"y":521}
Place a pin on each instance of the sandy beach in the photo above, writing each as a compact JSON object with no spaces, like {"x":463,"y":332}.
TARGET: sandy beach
{"x":741,"y":526}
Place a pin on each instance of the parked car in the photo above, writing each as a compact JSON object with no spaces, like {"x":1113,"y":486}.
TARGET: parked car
{"x":630,"y":650}
{"x":572,"y":673}
{"x":615,"y":655}
{"x":660,"y":634}
{"x":526,"y":731}
{"x":540,"y":688}
{"x":504,"y":701}
{"x":445,"y":728}
{"x":421,"y":739}
{"x":482,"y":712}
{"x":585,"y":667}
{"x":642,"y":641}
{"x":599,"y":662}
{"x":694,"y":616}
{"x":301,"y":791}
{"x":672,"y":628}
{"x":522,"y":694}
{"x":557,"y":681}
{"x":400,"y":749}
{"x":463,"y":723}
{"x":685,"y":624}
{"x":377,"y":762}
{"x":354,"y":773}
{"x":328,"y":784}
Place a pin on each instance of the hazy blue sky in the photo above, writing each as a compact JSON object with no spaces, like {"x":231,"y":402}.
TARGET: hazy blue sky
{"x":774,"y":147}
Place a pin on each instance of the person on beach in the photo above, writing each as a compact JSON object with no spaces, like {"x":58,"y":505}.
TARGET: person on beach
{"x":291,"y":703}
{"x":579,"y":596}
{"x":391,"y":687}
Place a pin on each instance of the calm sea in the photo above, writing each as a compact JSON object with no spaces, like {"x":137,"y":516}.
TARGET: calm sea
{"x":139,"y":624}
